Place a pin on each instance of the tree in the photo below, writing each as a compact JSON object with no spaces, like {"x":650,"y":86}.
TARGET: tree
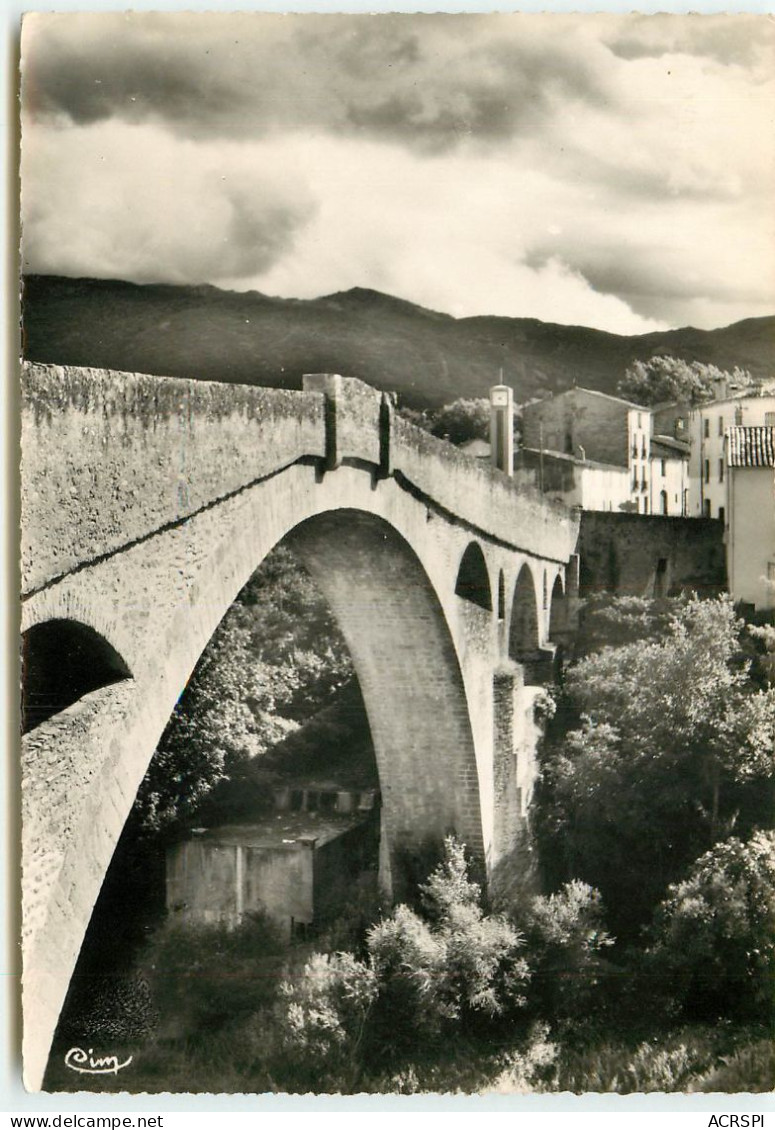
{"x":463,"y":420}
{"x":673,"y":749}
{"x":714,"y":942}
{"x":670,"y":378}
{"x":276,"y":658}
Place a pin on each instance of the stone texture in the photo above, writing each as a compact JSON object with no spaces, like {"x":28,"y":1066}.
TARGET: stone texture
{"x":147,"y":505}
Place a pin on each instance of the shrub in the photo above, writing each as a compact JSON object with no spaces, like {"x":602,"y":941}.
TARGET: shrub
{"x":464,"y":966}
{"x":532,"y":1067}
{"x":421,"y":983}
{"x":714,"y":939}
{"x":565,"y":940}
{"x":751,"y":1068}
{"x":323,"y":1018}
{"x":408,"y":962}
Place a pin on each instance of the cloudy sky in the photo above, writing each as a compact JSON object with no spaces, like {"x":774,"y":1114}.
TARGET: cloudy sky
{"x":611,"y":171}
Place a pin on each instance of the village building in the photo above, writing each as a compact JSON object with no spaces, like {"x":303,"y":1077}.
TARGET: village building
{"x":669,"y":476}
{"x":607,"y":435}
{"x":750,"y":509}
{"x":298,"y":863}
{"x":574,"y":481}
{"x":708,"y":425}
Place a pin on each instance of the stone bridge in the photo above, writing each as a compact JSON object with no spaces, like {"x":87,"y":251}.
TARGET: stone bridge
{"x":148,"y":502}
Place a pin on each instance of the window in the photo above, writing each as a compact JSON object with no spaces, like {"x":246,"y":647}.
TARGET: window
{"x":721,"y":514}
{"x":738,"y":416}
{"x":663,"y":502}
{"x":707,"y":471}
{"x":721,"y":470}
{"x":706,"y":428}
{"x":706,"y":508}
{"x":721,"y":425}
{"x":639,"y":420}
{"x":769,"y":419}
{"x":664,"y":467}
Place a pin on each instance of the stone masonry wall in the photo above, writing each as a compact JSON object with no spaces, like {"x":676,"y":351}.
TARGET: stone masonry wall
{"x":597,"y":423}
{"x":621,"y":553}
{"x":148,"y":503}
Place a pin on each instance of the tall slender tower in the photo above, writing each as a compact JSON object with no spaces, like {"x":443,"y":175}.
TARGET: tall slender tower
{"x":502,"y":428}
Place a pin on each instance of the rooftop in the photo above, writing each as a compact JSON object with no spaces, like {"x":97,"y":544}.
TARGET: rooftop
{"x":281,"y":829}
{"x":674,"y":445}
{"x":563,"y":457}
{"x":751,"y":446}
{"x":755,"y":392}
{"x":592,"y":392}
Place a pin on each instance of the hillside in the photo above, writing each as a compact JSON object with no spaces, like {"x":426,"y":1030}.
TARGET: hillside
{"x":429,"y":358}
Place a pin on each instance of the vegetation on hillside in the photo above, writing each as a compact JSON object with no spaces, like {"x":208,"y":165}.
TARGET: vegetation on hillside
{"x":663,"y":379}
{"x":430,"y":359}
{"x":660,"y":747}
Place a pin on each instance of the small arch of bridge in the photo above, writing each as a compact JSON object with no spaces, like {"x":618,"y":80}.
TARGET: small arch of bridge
{"x":62,"y":661}
{"x":473,"y":578}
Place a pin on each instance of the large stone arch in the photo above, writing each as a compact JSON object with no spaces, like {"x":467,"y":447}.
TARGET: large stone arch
{"x":410,"y":677}
{"x":151,"y":554}
{"x":405,"y":656}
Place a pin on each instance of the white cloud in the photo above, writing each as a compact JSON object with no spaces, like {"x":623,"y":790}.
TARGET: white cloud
{"x":497,"y":165}
{"x":118,"y":201}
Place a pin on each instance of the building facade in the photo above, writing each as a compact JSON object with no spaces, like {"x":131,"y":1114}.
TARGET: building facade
{"x":708,"y":424}
{"x":595,"y":428}
{"x":575,"y":482}
{"x":750,"y":510}
{"x":669,"y":476}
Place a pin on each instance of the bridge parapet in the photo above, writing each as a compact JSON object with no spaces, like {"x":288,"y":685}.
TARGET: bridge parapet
{"x":481,"y":496}
{"x":363,"y":425}
{"x":109,"y":458}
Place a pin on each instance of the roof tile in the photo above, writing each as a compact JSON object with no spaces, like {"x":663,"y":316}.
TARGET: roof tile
{"x":751,"y":446}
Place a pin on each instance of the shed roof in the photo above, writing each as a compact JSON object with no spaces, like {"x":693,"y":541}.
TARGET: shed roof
{"x":679,"y":446}
{"x":751,"y":446}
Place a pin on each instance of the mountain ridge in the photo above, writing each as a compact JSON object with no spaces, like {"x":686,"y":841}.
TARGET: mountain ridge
{"x":428,"y":357}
